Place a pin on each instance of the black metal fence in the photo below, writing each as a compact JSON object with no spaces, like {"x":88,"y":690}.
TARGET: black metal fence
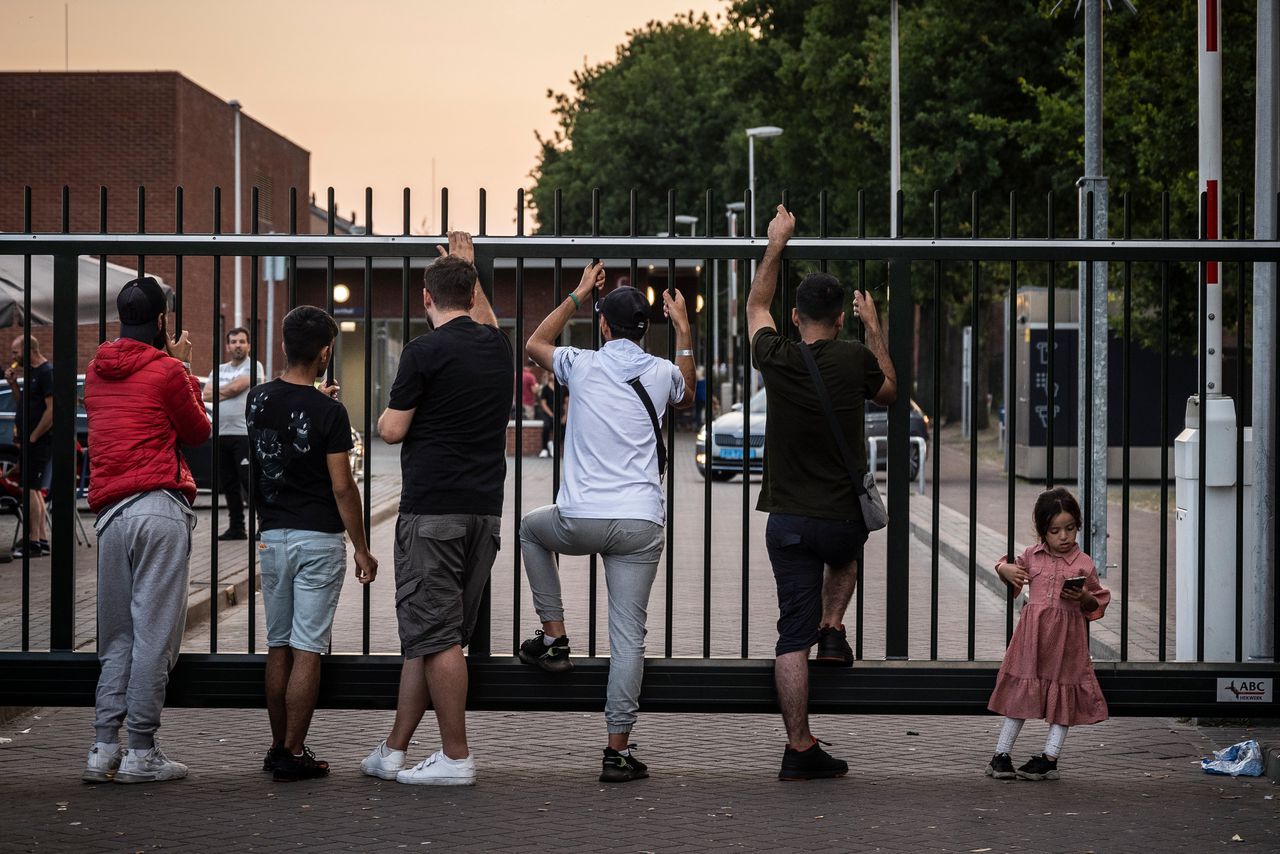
{"x":920,"y":271}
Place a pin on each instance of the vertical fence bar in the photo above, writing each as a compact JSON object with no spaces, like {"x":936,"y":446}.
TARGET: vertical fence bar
{"x":519,"y":410}
{"x":62,"y":587}
{"x":1126,"y":423}
{"x":24,"y":450}
{"x":215,"y":457}
{"x":1164,"y":432}
{"x":902,"y":347}
{"x":292,"y":272}
{"x":142,"y":228}
{"x":974,"y":338}
{"x":1085,"y":487}
{"x":671,"y":437}
{"x":744,"y":362}
{"x":1011,"y":410}
{"x":368,"y":415}
{"x":710,"y":372}
{"x":481,"y":645}
{"x":255,"y":272}
{"x":1203,"y":458}
{"x":1051,"y":392}
{"x":557,"y":402}
{"x":102,"y":268}
{"x":177,"y":262}
{"x":1241,"y":337}
{"x":936,"y":499}
{"x":859,"y":332}
{"x":405,"y":336}
{"x":593,"y":563}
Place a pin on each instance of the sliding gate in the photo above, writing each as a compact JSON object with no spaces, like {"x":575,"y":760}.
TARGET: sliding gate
{"x":927,"y":623}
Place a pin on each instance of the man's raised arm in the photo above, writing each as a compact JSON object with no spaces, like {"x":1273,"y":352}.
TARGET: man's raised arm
{"x":763,"y":286}
{"x":460,"y":245}
{"x":542,"y":343}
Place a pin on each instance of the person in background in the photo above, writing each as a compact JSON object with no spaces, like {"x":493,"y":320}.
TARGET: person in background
{"x":529,"y":393}
{"x":552,"y":429}
{"x":234,"y":379}
{"x":38,"y":406}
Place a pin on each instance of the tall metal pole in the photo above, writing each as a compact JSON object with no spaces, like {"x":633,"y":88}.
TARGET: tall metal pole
{"x":1260,"y":585}
{"x":1092,"y":433}
{"x":895,"y":142}
{"x":239,"y":296}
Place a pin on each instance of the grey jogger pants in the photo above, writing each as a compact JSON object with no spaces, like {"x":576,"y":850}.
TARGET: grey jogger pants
{"x":631,"y":549}
{"x":143,"y":569}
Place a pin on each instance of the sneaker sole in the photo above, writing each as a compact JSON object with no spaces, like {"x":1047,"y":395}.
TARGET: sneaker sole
{"x":786,"y":779}
{"x":146,"y":778}
{"x":1048,"y":775}
{"x":832,"y":661}
{"x":90,"y":776}
{"x":439,"y":781}
{"x":1000,"y":775}
{"x":379,"y":773}
{"x":542,"y":665}
{"x":643,"y":775}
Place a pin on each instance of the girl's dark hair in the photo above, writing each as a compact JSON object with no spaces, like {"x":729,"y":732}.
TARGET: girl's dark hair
{"x":1052,"y":502}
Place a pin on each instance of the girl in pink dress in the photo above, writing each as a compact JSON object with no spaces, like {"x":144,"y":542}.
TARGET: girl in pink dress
{"x":1047,"y":672}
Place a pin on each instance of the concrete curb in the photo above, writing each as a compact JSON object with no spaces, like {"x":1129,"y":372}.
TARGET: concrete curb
{"x":234,"y":588}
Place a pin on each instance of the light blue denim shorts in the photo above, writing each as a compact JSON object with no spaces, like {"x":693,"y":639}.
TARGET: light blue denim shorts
{"x":302,"y":574}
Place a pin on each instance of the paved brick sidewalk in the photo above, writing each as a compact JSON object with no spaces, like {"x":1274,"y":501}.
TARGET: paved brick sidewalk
{"x":1128,"y":785}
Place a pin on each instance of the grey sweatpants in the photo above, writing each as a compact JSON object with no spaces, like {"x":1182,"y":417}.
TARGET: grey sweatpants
{"x":631,"y":549}
{"x":143,"y":569}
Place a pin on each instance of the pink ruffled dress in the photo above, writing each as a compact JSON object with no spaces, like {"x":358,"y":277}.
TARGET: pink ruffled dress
{"x":1047,"y":671}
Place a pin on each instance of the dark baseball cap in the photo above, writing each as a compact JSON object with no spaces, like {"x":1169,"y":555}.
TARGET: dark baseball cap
{"x":139,"y":303}
{"x":626,"y":309}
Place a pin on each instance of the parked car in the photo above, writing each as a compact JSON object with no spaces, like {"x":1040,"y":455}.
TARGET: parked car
{"x":727,"y":446}
{"x":198,"y":456}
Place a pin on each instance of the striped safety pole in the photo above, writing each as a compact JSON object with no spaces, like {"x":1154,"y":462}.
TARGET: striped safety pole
{"x":1210,"y":163}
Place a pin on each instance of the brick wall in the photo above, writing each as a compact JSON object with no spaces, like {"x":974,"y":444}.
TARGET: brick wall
{"x":155,"y":130}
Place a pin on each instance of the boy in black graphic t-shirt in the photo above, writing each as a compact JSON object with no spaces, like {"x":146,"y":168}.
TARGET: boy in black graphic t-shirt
{"x":299,"y":436}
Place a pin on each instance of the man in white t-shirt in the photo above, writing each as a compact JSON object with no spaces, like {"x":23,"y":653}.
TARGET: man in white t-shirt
{"x":610,"y":501}
{"x":232,"y":477}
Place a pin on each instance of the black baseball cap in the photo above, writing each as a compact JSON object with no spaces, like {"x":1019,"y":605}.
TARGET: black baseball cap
{"x":139,"y":303}
{"x":626,"y":309}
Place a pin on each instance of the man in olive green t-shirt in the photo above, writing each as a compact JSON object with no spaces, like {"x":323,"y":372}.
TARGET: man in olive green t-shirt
{"x":815,"y":532}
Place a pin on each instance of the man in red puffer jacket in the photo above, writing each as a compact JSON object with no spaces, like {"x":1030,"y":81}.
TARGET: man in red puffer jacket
{"x":142,"y":404}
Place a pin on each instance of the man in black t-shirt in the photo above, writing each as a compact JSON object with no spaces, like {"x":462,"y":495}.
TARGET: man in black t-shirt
{"x":300,"y":436}
{"x":815,"y":532}
{"x":449,"y":406}
{"x":33,"y":402}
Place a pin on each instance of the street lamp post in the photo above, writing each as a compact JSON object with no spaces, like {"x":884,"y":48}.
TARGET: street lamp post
{"x":763,"y":132}
{"x":731,"y":212}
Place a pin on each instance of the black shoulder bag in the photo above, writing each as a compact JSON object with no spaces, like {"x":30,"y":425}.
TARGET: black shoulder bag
{"x":864,"y":484}
{"x":653,"y":419}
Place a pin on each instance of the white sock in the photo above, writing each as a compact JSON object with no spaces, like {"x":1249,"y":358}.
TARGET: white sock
{"x":626,"y":751}
{"x":1053,"y":744}
{"x":548,"y":639}
{"x":1009,"y":734}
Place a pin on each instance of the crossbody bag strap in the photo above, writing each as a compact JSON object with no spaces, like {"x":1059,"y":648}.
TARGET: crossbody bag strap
{"x":825,"y":399}
{"x":653,"y":419}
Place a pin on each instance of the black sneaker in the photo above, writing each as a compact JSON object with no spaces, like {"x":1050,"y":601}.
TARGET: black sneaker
{"x":617,"y":768}
{"x":233,"y":534}
{"x":292,"y":768}
{"x":812,"y":764}
{"x":1039,"y":768}
{"x":833,"y":648}
{"x":1000,"y":767}
{"x":275,"y":754}
{"x":553,"y":659}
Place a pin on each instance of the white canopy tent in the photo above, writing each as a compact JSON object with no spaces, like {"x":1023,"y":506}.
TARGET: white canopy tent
{"x":42,"y":289}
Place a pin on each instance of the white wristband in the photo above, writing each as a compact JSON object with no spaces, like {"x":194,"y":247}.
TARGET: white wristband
{"x":688,"y":353}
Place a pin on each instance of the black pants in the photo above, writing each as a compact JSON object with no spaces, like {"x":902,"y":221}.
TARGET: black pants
{"x":233,"y":477}
{"x":800,"y":547}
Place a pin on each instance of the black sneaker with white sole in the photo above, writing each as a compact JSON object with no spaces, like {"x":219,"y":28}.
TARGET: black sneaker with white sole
{"x":1039,"y":768}
{"x":812,"y":764}
{"x":617,"y":768}
{"x":553,"y":659}
{"x":1001,"y":767}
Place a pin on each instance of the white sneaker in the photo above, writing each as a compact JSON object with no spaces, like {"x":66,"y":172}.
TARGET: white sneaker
{"x":104,"y":760}
{"x":543,"y":454}
{"x":440,"y":770}
{"x":148,"y":766}
{"x":383,"y":762}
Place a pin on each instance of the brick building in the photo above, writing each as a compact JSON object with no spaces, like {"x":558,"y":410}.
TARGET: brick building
{"x":146,"y":132}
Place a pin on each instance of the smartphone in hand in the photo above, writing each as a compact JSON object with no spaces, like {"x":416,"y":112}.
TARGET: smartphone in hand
{"x":1076,"y":583}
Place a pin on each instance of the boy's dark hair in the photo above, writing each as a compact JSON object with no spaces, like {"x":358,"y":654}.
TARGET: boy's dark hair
{"x":239,"y":330}
{"x":820,"y":297}
{"x":1052,"y":502}
{"x":451,"y":281}
{"x":307,"y":330}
